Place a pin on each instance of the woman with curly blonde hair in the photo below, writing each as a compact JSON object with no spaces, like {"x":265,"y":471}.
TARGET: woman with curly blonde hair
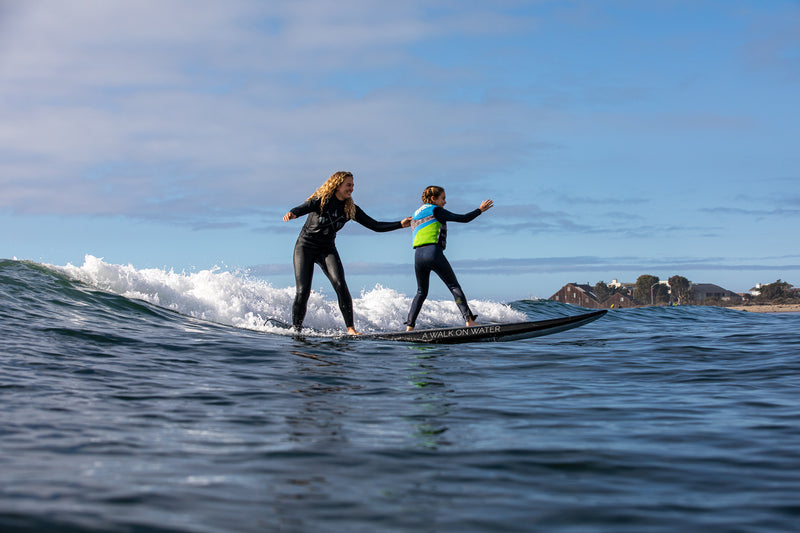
{"x":328,"y":210}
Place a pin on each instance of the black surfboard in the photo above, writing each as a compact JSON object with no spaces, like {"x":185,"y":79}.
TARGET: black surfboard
{"x":488,"y":332}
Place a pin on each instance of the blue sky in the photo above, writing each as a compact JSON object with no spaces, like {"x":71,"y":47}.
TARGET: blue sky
{"x":617,"y":138}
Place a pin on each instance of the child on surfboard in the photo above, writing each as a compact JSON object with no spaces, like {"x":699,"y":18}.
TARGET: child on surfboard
{"x":429,"y":225}
{"x":328,"y":210}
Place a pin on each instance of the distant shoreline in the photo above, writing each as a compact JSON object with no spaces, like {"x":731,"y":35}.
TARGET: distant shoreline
{"x":768,"y":308}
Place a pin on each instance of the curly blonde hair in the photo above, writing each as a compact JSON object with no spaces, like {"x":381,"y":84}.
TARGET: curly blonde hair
{"x":431,"y":192}
{"x":327,"y":190}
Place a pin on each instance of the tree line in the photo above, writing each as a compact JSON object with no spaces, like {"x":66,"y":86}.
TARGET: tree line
{"x":649,"y":290}
{"x":779,"y":292}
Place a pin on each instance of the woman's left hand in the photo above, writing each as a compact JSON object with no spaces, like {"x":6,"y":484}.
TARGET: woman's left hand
{"x":486,"y":205}
{"x":406,"y":222}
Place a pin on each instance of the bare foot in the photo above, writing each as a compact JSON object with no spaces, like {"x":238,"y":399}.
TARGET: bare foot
{"x":352,"y":331}
{"x":471,"y":323}
{"x":409,"y":328}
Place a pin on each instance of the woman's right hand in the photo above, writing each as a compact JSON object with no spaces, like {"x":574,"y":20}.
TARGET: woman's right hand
{"x":486,"y":205}
{"x":289,"y":216}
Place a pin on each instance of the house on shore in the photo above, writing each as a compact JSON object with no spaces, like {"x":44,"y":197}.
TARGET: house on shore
{"x":577,"y":294}
{"x":618,"y":301}
{"x":584,"y":296}
{"x":709,"y":291}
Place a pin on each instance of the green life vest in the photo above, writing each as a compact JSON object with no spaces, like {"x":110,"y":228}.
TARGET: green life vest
{"x":425,"y":226}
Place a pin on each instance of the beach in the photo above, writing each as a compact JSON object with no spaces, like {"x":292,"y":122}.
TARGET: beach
{"x":769,"y":308}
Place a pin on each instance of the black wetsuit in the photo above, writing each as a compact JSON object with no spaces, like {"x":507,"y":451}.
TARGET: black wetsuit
{"x":430,"y":258}
{"x":317,"y":244}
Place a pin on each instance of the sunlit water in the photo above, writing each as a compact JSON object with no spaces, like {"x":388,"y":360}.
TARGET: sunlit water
{"x":145,"y":400}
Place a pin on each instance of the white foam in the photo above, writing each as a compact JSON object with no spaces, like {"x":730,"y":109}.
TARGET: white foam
{"x":237,"y":299}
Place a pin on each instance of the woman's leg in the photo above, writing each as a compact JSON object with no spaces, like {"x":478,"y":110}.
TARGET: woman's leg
{"x":332,"y":267}
{"x":303,"y":274}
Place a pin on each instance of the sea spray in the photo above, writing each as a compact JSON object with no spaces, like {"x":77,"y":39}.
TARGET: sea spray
{"x":241,"y":300}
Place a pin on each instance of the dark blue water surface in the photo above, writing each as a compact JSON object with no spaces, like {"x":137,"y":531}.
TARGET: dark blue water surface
{"x":119,"y":415}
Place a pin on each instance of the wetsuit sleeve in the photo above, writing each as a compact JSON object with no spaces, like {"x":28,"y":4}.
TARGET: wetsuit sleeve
{"x":443,"y":215}
{"x":370,"y":223}
{"x":305,"y":208}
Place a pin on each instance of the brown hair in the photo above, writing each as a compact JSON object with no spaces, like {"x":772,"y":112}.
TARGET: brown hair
{"x":431,"y":192}
{"x":327,"y":189}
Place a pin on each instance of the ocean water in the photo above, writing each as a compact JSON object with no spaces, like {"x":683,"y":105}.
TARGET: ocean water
{"x":154,"y":401}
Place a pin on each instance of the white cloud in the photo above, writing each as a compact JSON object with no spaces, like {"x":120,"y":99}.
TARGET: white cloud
{"x":111,"y":107}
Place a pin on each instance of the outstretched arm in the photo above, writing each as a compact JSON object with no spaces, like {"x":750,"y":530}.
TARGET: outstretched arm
{"x":302,"y":209}
{"x":443,"y":215}
{"x":370,"y":223}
